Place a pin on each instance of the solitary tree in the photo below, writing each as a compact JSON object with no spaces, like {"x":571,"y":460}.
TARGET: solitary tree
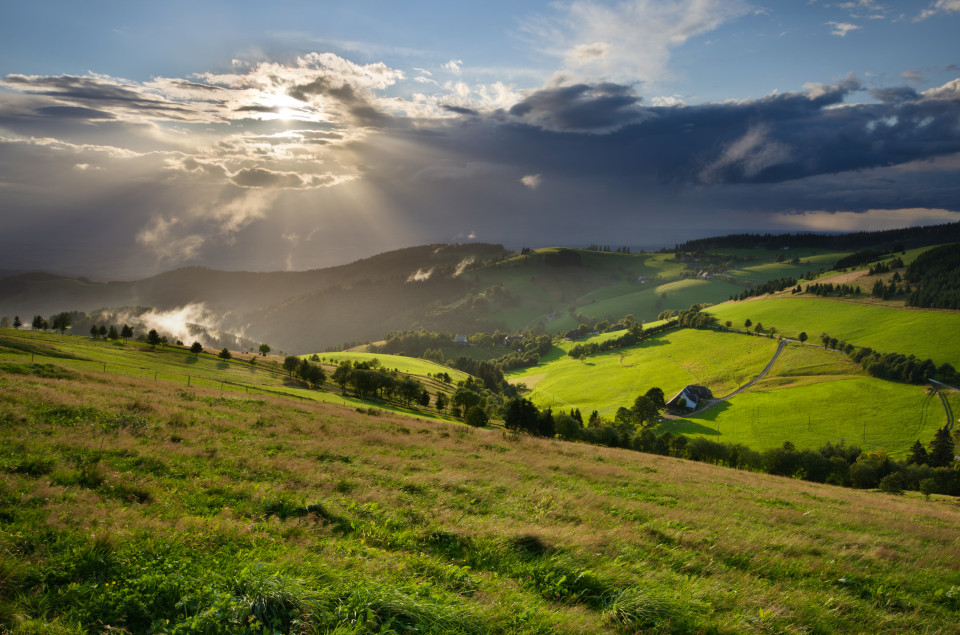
{"x":802,"y":337}
{"x":126,"y":332}
{"x":196,"y":348}
{"x":264,"y":349}
{"x":747,"y":323}
{"x":153,"y":338}
{"x":16,"y":322}
{"x":224,"y":354}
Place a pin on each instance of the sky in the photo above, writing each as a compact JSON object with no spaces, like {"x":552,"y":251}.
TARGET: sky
{"x":140,"y":137}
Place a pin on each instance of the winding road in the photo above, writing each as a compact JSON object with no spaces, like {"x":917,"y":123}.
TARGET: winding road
{"x":762,"y":374}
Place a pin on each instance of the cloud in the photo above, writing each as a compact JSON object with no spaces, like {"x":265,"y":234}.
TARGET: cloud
{"x":841,"y":28}
{"x":453,"y":66}
{"x":531,"y":181}
{"x":580,"y":108}
{"x":420,"y":275}
{"x":158,"y":236}
{"x":628,"y":41}
{"x":869,"y":220}
{"x":748,"y":156}
{"x":940,"y":6}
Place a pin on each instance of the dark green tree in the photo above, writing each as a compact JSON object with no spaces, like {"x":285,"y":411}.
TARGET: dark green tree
{"x":520,"y":415}
{"x":126,"y":332}
{"x":747,"y":323}
{"x":441,"y":401}
{"x":112,"y":334}
{"x":94,"y":332}
{"x":918,"y":454}
{"x":802,"y":337}
{"x":224,"y":354}
{"x":196,"y":348}
{"x":342,"y":376}
{"x":61,"y":322}
{"x":476,"y":417}
{"x":16,"y":322}
{"x":264,"y":349}
{"x":102,"y":331}
{"x":153,"y":338}
{"x":291,"y":363}
{"x":941,"y":448}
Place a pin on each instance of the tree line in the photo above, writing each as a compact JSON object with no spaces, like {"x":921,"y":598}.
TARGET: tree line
{"x":892,"y":366}
{"x":936,"y":274}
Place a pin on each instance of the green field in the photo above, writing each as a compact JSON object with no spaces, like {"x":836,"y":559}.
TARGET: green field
{"x":141,"y":506}
{"x":408,"y":365}
{"x":670,"y":361}
{"x":811,"y":396}
{"x":924,"y":333}
{"x":19,"y":350}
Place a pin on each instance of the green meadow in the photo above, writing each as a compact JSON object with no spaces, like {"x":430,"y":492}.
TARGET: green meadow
{"x":407,"y":365}
{"x":812,"y":396}
{"x":129,"y":504}
{"x":924,"y":333}
{"x":670,"y":361}
{"x":20,"y":350}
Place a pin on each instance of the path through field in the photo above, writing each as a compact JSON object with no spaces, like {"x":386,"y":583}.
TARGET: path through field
{"x":763,"y":372}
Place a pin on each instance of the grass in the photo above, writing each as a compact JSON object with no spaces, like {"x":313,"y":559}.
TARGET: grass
{"x":408,"y":365}
{"x":924,"y":333}
{"x":670,"y":361}
{"x":200,"y":512}
{"x":812,"y":396}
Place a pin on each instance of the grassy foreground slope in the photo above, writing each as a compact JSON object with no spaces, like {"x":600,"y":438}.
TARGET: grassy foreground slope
{"x":924,"y":333}
{"x":146,"y":506}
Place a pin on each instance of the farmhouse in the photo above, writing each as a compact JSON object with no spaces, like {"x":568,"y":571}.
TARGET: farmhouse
{"x":688,"y":399}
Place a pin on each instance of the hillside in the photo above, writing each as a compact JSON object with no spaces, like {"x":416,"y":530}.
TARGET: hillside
{"x":143,"y":504}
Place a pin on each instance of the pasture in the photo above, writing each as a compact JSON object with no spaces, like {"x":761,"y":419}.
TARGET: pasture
{"x":134,"y":505}
{"x":670,"y":361}
{"x":924,"y":333}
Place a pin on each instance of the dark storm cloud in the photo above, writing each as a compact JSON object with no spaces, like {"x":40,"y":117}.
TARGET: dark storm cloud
{"x":580,"y":108}
{"x":776,"y":138}
{"x":257,"y":108}
{"x":895,"y":94}
{"x":73,"y":112}
{"x":91,"y":91}
{"x":356,"y":105}
{"x":460,"y":110}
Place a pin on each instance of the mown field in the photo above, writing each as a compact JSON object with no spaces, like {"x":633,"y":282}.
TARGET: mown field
{"x":812,"y":396}
{"x":670,"y":361}
{"x":924,"y":333}
{"x":134,"y":505}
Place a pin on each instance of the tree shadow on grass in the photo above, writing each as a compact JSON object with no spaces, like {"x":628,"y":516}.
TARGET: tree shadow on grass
{"x":223,"y":366}
{"x":190,"y":359}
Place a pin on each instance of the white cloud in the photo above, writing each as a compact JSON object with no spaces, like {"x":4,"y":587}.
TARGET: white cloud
{"x":532,"y":181}
{"x":454,"y":66}
{"x":629,"y":41}
{"x":668,"y":101}
{"x":749,"y":155}
{"x":841,"y":28}
{"x":940,"y":6}
{"x":158,"y":236}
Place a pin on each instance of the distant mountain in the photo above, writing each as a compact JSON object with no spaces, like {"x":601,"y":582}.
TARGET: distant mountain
{"x":351,"y":296}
